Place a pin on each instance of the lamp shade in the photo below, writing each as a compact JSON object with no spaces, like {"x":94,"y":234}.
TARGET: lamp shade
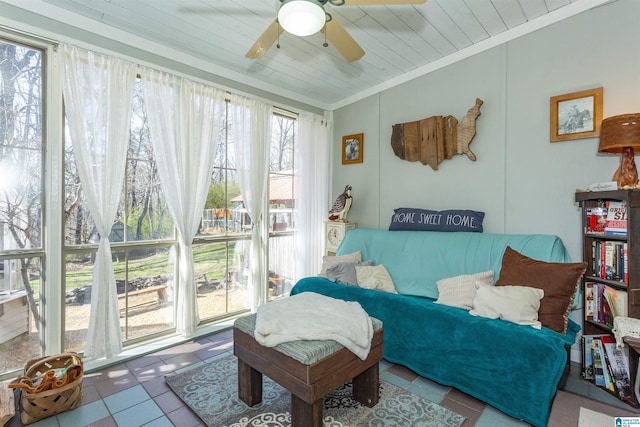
{"x":619,"y":132}
{"x":302,"y":17}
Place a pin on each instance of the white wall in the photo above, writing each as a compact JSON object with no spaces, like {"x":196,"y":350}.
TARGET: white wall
{"x":401,"y":183}
{"x":523,"y":183}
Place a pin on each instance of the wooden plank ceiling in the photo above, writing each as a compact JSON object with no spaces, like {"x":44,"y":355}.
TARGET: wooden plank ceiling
{"x":400,"y":41}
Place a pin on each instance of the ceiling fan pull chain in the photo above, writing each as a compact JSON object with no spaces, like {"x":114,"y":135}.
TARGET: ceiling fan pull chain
{"x":278,"y":43}
{"x":325,"y":44}
{"x":328,"y":19}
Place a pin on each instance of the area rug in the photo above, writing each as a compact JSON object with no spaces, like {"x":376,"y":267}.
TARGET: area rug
{"x":211,"y":391}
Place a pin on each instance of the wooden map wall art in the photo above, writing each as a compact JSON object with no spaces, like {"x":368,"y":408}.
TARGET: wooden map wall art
{"x":435,"y":138}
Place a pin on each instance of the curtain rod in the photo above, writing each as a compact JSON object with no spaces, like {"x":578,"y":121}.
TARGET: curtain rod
{"x":37,"y":37}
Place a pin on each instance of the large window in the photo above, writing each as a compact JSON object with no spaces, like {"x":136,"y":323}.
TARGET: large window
{"x":142,"y":243}
{"x":143,"y":239}
{"x":223,"y":252}
{"x":21,"y":202}
{"x":221,"y":247}
{"x":282,"y":207}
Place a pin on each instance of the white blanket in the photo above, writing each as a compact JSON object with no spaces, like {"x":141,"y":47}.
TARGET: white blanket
{"x":311,"y":316}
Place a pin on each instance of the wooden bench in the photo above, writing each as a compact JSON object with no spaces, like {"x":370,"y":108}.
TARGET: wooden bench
{"x":308,"y":380}
{"x":160,"y":290}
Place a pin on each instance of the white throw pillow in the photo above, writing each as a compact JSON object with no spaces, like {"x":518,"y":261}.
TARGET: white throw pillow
{"x":375,"y":277}
{"x":517,"y":304}
{"x":459,"y":291}
{"x":328,"y":261}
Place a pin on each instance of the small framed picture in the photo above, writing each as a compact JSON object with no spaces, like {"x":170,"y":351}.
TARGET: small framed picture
{"x":576,"y":115}
{"x":352,"y":148}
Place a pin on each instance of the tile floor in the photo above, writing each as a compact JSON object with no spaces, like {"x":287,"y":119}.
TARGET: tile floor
{"x":134,"y":393}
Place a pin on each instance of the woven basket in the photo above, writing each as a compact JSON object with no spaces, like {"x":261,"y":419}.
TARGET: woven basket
{"x":36,"y":406}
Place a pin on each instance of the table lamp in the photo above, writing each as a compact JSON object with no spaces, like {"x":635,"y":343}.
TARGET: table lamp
{"x":621,"y":134}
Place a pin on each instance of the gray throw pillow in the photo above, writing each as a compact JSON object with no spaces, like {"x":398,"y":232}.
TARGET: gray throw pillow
{"x":345,"y":272}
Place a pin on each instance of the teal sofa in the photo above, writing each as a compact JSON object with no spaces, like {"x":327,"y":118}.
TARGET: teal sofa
{"x":515,"y":368}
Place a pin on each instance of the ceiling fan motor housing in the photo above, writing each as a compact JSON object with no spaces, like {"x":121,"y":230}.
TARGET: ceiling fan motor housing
{"x":302,"y":17}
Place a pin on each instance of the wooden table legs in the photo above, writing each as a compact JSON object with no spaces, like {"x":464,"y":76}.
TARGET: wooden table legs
{"x":308,"y":384}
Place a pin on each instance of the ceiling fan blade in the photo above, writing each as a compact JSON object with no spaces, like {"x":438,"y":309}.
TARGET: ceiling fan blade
{"x":380,"y":2}
{"x":262,"y":45}
{"x":342,"y":41}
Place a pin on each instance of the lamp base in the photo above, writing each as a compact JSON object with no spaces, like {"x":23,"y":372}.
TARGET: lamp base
{"x":626,"y":175}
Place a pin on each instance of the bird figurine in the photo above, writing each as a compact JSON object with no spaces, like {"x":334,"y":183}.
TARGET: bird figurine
{"x":341,"y":206}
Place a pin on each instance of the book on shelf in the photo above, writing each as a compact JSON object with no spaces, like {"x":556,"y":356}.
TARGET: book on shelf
{"x":616,"y":222}
{"x":594,"y":297}
{"x":596,"y":218}
{"x":603,"y":303}
{"x":606,"y":365}
{"x":589,"y":302}
{"x":625,"y":264}
{"x":605,"y":315}
{"x":587,"y":357}
{"x":617,"y":301}
{"x":618,"y":364}
{"x":610,"y":260}
{"x":598,"y":373}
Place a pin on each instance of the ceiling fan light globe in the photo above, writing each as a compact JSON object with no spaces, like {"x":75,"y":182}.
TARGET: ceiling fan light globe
{"x":301,"y":17}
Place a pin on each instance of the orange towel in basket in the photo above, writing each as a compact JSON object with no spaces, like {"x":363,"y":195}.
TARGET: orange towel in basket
{"x":52,"y":379}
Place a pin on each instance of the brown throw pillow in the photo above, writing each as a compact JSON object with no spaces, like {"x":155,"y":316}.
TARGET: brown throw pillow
{"x":558,"y":280}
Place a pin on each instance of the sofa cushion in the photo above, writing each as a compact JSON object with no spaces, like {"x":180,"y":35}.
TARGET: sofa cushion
{"x":428,"y":220}
{"x":459,"y":291}
{"x":516,"y":304}
{"x":345,"y":272}
{"x":375,"y":277}
{"x":418,"y":259}
{"x":558,"y":280}
{"x":328,"y":261}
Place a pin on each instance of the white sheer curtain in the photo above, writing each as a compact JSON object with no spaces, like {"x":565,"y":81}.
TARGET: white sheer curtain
{"x":184,"y":119}
{"x":312,"y":200}
{"x":251,"y":122}
{"x":97,"y":94}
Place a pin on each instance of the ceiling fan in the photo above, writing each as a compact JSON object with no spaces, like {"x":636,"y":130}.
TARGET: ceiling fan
{"x":306,"y":17}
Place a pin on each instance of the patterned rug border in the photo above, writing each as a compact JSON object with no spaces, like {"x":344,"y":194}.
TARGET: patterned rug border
{"x":210,"y":390}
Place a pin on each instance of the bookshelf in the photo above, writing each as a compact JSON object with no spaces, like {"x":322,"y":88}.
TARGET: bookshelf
{"x":606,"y":255}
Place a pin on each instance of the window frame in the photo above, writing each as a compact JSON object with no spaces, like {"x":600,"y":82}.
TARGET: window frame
{"x":53,"y":249}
